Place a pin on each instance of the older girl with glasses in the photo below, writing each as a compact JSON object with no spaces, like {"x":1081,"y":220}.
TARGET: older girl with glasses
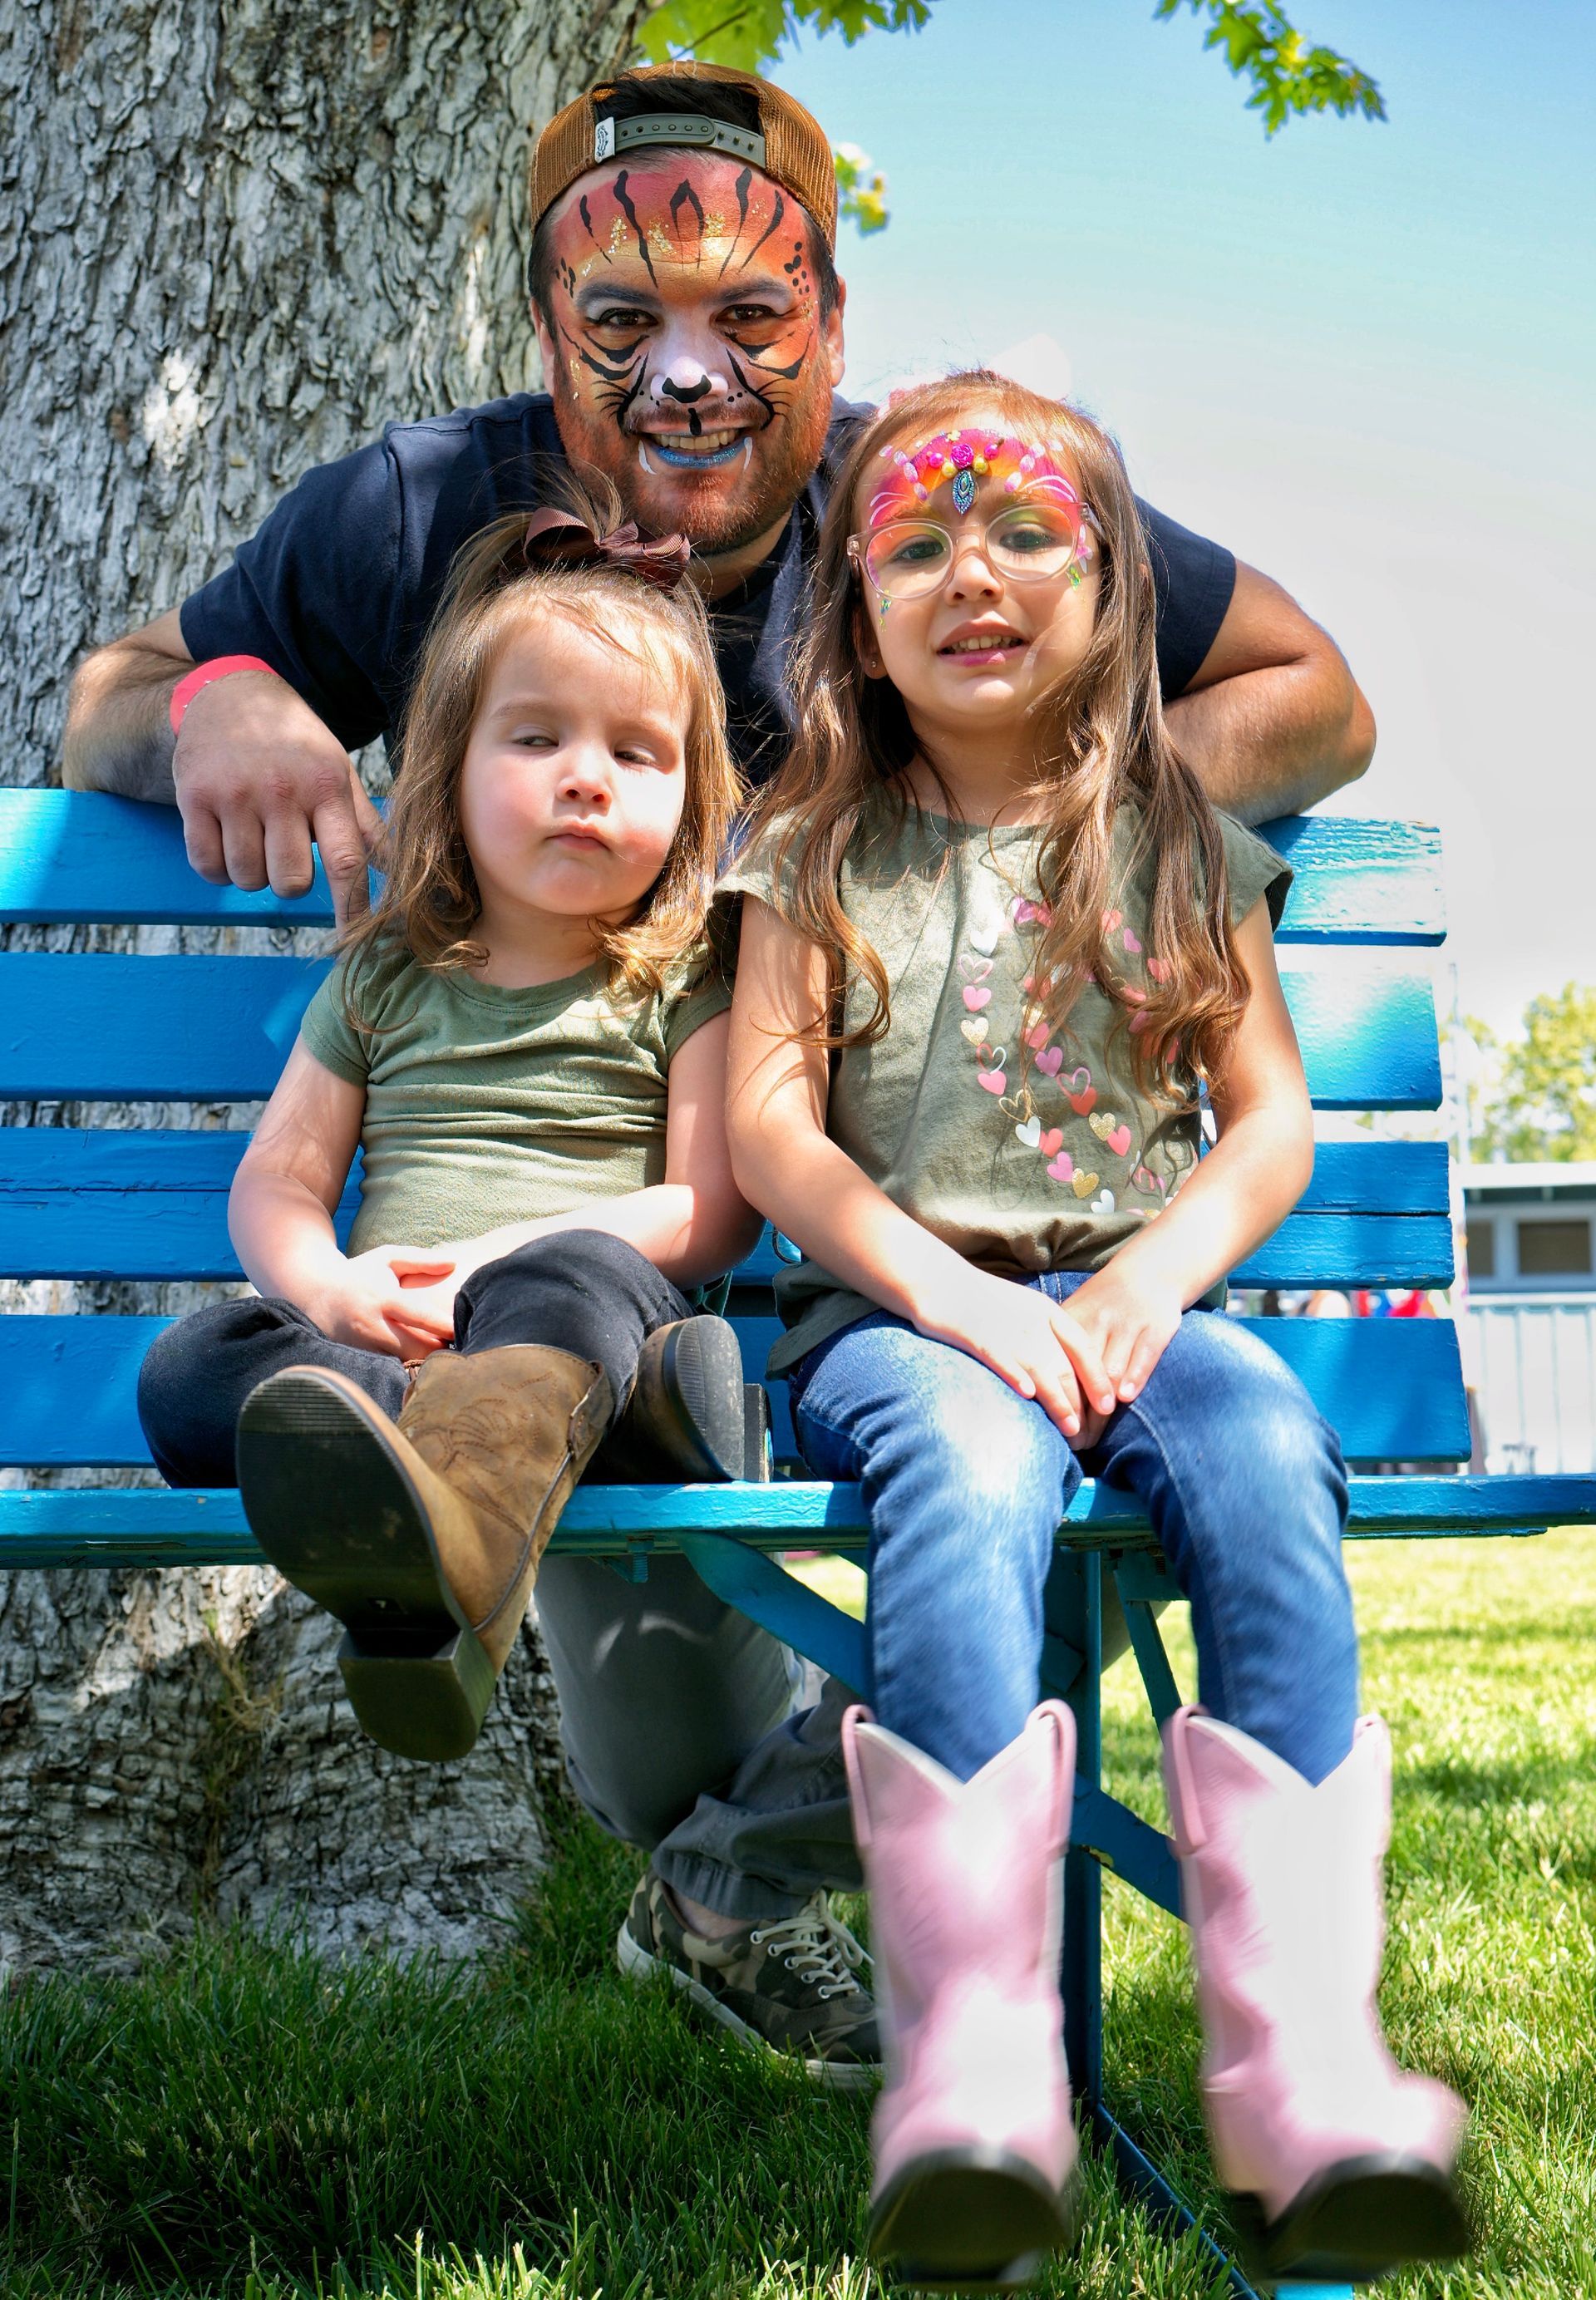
{"x":996,"y":943}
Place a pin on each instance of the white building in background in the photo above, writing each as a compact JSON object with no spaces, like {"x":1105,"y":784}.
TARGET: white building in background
{"x":1529,"y":1332}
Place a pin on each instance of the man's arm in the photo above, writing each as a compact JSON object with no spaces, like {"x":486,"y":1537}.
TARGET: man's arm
{"x":118,"y":735}
{"x":255,"y":773}
{"x":1274,"y":720}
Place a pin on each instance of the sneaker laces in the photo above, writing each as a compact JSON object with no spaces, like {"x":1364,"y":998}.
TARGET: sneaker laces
{"x":818,"y":1947}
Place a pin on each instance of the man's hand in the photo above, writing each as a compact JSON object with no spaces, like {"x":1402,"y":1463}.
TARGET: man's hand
{"x":388,"y":1299}
{"x":254,"y":772}
{"x":257,"y":777}
{"x":1036,"y":1346}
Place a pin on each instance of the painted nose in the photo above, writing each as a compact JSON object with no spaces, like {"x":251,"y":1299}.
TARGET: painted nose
{"x":686,"y":381}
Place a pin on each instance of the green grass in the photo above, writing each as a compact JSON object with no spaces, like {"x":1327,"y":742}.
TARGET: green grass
{"x":250,"y":2122}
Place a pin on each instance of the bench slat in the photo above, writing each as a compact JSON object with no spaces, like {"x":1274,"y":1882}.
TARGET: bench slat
{"x":80,"y":858}
{"x":1392,"y":1386}
{"x":1360,"y":880}
{"x":209,"y":1527}
{"x":48,"y":1232}
{"x":98,"y":1026}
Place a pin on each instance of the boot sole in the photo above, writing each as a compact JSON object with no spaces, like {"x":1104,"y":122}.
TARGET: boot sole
{"x":638,"y":1963}
{"x":333,"y":1508}
{"x":1358,"y":2221}
{"x":980,"y":2219}
{"x":688,"y":1418}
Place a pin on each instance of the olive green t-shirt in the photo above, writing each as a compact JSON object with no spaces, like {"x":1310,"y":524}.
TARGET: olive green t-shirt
{"x":486,"y":1106}
{"x":1022,"y":1156}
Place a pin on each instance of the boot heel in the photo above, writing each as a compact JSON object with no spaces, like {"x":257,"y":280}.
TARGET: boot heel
{"x":429,"y":1706}
{"x":1356,"y":2221}
{"x":977,"y":2219}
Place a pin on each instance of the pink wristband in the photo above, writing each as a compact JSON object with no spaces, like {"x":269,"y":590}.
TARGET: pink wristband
{"x":221,"y":666}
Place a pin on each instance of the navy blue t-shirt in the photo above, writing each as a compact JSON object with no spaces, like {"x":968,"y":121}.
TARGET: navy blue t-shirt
{"x":337,"y":586}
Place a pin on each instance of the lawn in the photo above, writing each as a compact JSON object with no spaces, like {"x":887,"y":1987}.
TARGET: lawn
{"x":248,"y":2122}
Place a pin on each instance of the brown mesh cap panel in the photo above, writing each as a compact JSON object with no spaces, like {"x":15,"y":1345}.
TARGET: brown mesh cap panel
{"x":797,"y":155}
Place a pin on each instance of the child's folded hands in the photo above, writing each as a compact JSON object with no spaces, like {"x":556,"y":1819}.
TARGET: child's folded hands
{"x":395,"y":1299}
{"x":1036,"y":1345}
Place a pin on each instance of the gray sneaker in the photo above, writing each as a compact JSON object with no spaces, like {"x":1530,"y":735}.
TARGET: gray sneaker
{"x":790,"y":1984}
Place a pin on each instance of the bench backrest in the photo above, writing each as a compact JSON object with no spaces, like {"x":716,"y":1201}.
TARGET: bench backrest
{"x":133,"y":1203}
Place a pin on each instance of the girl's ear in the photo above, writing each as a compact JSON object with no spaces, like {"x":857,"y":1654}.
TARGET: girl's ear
{"x":864,"y":645}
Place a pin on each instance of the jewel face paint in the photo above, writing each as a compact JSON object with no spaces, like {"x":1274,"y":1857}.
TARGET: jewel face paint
{"x":965,"y":458}
{"x":1035,"y":529}
{"x":684,"y":345}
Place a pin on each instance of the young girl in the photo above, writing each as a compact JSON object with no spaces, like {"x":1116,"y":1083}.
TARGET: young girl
{"x":994,"y":938}
{"x":526,"y":1041}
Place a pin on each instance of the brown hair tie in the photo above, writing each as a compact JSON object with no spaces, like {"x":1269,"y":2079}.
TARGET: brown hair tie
{"x":558,"y":538}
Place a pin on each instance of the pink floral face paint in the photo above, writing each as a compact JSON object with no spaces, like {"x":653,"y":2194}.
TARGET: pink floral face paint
{"x":959,"y":461}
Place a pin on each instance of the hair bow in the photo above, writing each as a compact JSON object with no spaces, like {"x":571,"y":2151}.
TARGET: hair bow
{"x":558,"y":538}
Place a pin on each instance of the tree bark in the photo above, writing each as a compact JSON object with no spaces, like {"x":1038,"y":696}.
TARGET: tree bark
{"x":236,"y":238}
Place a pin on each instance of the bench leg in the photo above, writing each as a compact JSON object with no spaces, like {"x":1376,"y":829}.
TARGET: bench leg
{"x":1083,"y":1973}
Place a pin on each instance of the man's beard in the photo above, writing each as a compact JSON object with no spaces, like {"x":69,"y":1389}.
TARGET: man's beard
{"x":716,"y":519}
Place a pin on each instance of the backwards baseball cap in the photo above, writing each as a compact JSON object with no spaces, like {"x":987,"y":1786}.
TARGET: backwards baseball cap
{"x":787,"y":143}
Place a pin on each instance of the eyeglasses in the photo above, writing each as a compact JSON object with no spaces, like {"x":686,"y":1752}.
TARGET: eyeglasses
{"x":1023,"y":542}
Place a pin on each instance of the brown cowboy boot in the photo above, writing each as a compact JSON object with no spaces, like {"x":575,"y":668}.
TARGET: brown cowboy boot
{"x":424,"y":1537}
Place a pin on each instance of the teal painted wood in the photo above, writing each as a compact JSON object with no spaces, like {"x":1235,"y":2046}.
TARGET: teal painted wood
{"x":102,"y":1204}
{"x":1398,"y":1250}
{"x":148,"y":1029}
{"x":94,"y":1025}
{"x":1393,"y":1386}
{"x":1379,"y":1178}
{"x":1367,"y":1026}
{"x":1360,"y":880}
{"x":78,"y":858}
{"x":153,"y":1526}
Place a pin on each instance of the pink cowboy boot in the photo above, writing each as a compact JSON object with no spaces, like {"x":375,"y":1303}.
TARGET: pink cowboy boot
{"x":1341,"y":2164}
{"x":975,"y":2148}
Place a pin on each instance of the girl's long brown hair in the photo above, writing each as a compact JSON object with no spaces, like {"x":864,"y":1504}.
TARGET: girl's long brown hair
{"x":1098,"y":741}
{"x":430,"y":900}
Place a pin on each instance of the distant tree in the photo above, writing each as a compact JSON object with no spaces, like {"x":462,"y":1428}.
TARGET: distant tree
{"x":1536,"y":1094}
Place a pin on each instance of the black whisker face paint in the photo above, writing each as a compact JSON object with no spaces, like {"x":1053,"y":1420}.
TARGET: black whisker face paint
{"x":692,"y":367}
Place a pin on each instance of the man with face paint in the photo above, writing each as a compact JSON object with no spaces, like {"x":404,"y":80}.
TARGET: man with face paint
{"x":690,"y":322}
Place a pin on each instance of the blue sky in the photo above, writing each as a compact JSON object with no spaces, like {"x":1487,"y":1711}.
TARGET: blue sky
{"x":1362,"y":355}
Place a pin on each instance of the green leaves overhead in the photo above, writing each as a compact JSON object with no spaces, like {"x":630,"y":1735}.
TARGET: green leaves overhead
{"x":1260,"y":43}
{"x":1255,"y":38}
{"x":746,"y":34}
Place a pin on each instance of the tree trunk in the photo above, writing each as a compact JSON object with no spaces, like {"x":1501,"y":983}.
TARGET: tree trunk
{"x":238,"y":238}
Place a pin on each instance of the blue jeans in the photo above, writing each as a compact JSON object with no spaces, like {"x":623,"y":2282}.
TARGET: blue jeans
{"x":966,"y":1482}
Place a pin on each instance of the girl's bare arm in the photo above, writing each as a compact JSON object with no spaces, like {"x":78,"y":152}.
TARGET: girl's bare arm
{"x":290,"y":1178}
{"x":1242,"y":1191}
{"x":816,"y":1194}
{"x":279,"y":1217}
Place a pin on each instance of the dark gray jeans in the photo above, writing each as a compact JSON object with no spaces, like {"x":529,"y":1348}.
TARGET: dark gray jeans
{"x":686,"y":1729}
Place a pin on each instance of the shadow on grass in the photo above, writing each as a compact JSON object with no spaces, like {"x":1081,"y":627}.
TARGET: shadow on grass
{"x":252,"y":2109}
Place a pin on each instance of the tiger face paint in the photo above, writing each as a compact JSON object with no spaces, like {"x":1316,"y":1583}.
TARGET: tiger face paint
{"x":684,"y":345}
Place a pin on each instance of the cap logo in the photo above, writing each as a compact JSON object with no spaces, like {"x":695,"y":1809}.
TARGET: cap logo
{"x":604,"y":141}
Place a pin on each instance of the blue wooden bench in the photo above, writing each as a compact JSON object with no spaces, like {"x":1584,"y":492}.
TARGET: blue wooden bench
{"x":107,"y":1204}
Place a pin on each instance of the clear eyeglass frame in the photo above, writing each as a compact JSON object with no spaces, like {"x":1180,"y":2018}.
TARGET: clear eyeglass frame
{"x":1076,"y":555}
